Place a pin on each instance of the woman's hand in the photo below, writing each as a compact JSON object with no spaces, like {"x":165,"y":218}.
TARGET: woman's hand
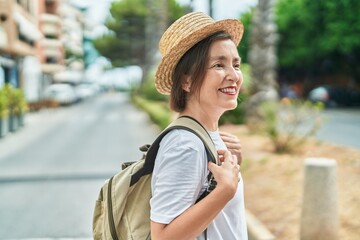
{"x":232,"y":143}
{"x":227,"y":174}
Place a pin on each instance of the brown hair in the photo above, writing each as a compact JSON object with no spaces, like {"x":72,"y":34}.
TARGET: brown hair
{"x":192,"y":63}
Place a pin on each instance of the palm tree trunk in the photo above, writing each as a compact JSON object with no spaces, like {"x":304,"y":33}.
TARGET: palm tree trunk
{"x":156,"y":23}
{"x":262,"y":58}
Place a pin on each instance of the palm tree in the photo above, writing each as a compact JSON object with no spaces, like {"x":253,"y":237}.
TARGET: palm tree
{"x":262,"y":58}
{"x":156,"y":23}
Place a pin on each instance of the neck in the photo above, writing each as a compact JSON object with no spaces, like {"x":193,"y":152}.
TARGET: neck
{"x":209,"y":121}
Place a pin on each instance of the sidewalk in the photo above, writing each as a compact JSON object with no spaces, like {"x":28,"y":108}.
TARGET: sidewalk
{"x":36,"y":123}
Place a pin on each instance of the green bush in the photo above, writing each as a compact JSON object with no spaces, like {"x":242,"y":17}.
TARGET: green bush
{"x":246,"y":72}
{"x":148,"y":91}
{"x":290,"y":123}
{"x":158,"y":112}
{"x":3,"y":103}
{"x":16,"y":102}
{"x":236,"y":116}
{"x":147,"y":98}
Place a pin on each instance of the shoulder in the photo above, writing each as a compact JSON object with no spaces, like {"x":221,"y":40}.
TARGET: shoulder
{"x":180,"y":138}
{"x":181,"y":151}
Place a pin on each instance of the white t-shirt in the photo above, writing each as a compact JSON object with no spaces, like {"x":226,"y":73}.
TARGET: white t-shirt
{"x":179,"y":178}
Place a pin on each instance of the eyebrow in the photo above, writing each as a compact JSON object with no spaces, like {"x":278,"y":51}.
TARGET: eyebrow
{"x":222,"y":57}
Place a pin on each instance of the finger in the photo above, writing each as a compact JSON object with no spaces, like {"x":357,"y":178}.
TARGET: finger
{"x":212,"y":166}
{"x":229,"y":137}
{"x":239,"y":174}
{"x":233,"y":145}
{"x":228,"y":156}
{"x":234,"y":158}
{"x":230,"y":140}
{"x":221,"y":151}
{"x":226,"y":134}
{"x":223,"y":154}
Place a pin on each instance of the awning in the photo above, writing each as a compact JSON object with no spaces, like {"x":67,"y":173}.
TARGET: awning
{"x":69,"y":76}
{"x":51,"y":43}
{"x":52,"y":18}
{"x":52,"y":53}
{"x":27,"y":28}
{"x":52,"y":68}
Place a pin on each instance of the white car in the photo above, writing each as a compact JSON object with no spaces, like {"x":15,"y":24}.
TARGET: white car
{"x":62,"y":93}
{"x":85,"y":90}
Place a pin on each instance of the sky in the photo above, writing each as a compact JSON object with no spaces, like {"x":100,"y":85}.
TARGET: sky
{"x":99,"y":9}
{"x":222,"y":9}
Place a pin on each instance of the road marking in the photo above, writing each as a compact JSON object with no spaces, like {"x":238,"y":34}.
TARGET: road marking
{"x":48,"y":238}
{"x":7,"y":178}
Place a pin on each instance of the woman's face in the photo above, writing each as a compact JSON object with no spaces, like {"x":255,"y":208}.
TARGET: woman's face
{"x":223,"y":77}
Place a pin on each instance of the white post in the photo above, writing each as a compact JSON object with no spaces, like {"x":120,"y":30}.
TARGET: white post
{"x":319,"y":211}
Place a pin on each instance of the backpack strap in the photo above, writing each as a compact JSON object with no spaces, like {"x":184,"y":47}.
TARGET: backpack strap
{"x":186,"y":123}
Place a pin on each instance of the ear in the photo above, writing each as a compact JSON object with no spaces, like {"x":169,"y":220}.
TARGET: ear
{"x":186,"y":83}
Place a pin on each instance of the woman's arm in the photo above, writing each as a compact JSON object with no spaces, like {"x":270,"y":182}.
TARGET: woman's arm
{"x":192,"y":222}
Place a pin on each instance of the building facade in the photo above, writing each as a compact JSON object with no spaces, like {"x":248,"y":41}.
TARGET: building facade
{"x":38,"y":39}
{"x":18,"y":38}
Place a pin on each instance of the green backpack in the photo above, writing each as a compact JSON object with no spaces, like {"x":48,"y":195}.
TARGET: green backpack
{"x":122,"y":211}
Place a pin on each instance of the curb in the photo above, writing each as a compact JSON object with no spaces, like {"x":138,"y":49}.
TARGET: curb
{"x":256,"y":229}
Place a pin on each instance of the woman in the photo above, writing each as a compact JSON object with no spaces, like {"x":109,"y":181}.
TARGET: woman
{"x":200,"y":69}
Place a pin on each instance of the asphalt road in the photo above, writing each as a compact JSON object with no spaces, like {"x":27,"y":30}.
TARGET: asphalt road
{"x":341,"y":126}
{"x":51,"y":170}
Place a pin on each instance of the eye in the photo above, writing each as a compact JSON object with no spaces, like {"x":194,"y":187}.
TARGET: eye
{"x":237,"y":66}
{"x":218,"y":65}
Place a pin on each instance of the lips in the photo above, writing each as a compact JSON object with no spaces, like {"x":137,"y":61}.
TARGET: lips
{"x":228,"y":90}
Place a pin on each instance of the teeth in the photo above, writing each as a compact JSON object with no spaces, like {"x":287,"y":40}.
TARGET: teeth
{"x":228,"y":90}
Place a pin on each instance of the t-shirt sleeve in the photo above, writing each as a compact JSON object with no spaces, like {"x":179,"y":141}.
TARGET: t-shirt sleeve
{"x":179,"y":175}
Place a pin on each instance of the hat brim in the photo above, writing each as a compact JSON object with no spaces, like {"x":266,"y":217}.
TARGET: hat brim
{"x":165,"y":70}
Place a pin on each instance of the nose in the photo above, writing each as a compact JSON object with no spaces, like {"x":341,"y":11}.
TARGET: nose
{"x":234,"y":74}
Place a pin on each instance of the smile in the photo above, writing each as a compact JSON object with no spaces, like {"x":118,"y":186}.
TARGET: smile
{"x":228,"y":90}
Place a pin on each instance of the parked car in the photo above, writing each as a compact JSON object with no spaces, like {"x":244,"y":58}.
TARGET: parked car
{"x":334,"y":96}
{"x":86,"y":90}
{"x":62,"y":93}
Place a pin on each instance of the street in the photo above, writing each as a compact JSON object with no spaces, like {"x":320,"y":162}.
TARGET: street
{"x":52,"y":169}
{"x":341,"y":126}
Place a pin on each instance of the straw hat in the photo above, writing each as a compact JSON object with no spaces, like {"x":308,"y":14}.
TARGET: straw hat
{"x":184,"y":34}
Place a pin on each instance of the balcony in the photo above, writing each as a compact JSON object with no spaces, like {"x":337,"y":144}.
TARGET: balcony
{"x":51,"y":50}
{"x":50,"y":18}
{"x":50,"y":25}
{"x":27,"y":29}
{"x":51,"y":43}
{"x":49,"y":68}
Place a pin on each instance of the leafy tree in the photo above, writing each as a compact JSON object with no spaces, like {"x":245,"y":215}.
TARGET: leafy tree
{"x":319,"y":37}
{"x":125,"y":44}
{"x":294,"y":28}
{"x":244,"y":44}
{"x":127,"y":41}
